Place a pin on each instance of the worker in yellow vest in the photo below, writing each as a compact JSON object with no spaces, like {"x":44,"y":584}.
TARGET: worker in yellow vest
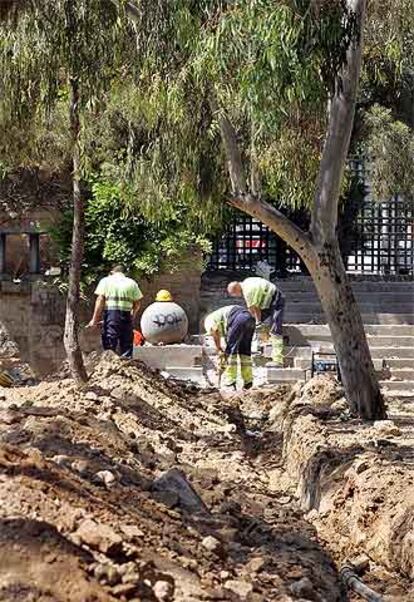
{"x":235,"y":325}
{"x":266,"y":303}
{"x":117,"y":304}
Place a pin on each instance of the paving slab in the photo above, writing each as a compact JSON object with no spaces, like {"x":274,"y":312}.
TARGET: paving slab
{"x":160,"y":357}
{"x":290,"y":375}
{"x":195,"y":375}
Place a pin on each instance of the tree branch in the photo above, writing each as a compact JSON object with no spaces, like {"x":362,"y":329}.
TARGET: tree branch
{"x":294,"y":236}
{"x":341,"y":119}
{"x":252,"y":205}
{"x":234,"y":160}
{"x":130,"y":9}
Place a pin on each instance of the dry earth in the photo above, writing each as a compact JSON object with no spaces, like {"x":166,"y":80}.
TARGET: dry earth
{"x":134,"y":488}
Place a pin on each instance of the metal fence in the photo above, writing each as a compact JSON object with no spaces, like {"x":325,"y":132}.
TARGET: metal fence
{"x":384,"y":239}
{"x":382,"y":243}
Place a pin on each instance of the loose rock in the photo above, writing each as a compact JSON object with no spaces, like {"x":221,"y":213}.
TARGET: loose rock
{"x":99,"y":536}
{"x":241,"y":588}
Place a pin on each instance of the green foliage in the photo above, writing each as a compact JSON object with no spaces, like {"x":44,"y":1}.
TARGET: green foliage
{"x":389,"y":48}
{"x":390,"y":150}
{"x":114,"y":234}
{"x":151,"y":93}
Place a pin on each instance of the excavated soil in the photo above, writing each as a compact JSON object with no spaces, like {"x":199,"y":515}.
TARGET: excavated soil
{"x":85,"y":515}
{"x":136,"y":488}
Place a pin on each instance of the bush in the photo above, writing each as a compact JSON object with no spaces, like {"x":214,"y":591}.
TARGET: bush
{"x":115,"y":234}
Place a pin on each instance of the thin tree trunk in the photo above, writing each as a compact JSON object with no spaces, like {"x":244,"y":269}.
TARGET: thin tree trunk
{"x":345,"y":322}
{"x":71,"y":336}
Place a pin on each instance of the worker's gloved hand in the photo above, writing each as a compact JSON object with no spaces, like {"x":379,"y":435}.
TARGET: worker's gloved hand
{"x":262,"y":332}
{"x":222,"y":360}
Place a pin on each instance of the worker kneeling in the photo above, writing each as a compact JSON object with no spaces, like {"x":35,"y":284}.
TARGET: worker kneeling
{"x":266,"y":303}
{"x":236,"y":325}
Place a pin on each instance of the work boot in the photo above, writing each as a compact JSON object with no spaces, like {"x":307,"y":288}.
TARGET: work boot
{"x":247,"y":386}
{"x":277,"y":352}
{"x":230,"y":387}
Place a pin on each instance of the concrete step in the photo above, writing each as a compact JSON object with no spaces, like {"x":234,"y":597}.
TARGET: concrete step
{"x":304,"y":363}
{"x":389,"y":297}
{"x":387,"y":353}
{"x":400,"y":363}
{"x":376,"y":305}
{"x":371,"y":318}
{"x":169,"y":355}
{"x":314,"y":330}
{"x":405,"y":397}
{"x":321,"y":334}
{"x":285,"y":375}
{"x":402,"y":374}
{"x":398,"y":385}
{"x":194,"y":374}
{"x":211,"y":285}
{"x":305,"y":351}
{"x":357,"y":286}
{"x":380,"y":352}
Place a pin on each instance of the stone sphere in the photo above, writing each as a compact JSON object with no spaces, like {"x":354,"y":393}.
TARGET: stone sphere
{"x":164,"y":322}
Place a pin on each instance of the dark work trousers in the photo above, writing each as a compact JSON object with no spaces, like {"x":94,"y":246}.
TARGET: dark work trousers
{"x":240,"y":331}
{"x":117,"y":331}
{"x":273,"y":315}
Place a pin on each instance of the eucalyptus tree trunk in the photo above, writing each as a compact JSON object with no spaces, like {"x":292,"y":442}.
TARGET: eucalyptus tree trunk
{"x":319,"y":248}
{"x":348,"y":334}
{"x":71,"y":336}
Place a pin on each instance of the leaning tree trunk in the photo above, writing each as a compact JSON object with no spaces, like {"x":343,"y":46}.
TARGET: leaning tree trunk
{"x":348,"y":334}
{"x":343,"y":315}
{"x":71,"y":336}
{"x":319,"y":247}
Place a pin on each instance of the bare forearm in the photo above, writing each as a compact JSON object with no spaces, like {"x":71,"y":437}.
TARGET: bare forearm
{"x":98,"y":310}
{"x":256,"y":313}
{"x":217,"y":339}
{"x":135,"y":309}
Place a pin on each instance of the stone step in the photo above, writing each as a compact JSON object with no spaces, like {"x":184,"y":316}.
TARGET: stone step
{"x":389,"y":297}
{"x":360,"y":286}
{"x":404,"y":397}
{"x":400,"y":363}
{"x":285,"y":375}
{"x":381,"y":352}
{"x":211,"y":287}
{"x":371,"y":318}
{"x":324,"y":336}
{"x":305,"y":363}
{"x":387,"y":353}
{"x":194,"y":374}
{"x":169,"y":355}
{"x":305,"y":352}
{"x":373,"y":341}
{"x":402,"y":374}
{"x":369,"y":307}
{"x":402,"y":294}
{"x":398,"y":385}
{"x":314,"y":330}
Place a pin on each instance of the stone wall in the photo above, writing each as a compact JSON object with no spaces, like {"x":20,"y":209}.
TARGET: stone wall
{"x":32,"y":315}
{"x":184,"y":284}
{"x":31,"y":325}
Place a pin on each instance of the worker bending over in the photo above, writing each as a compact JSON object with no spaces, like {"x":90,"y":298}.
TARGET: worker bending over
{"x":266,"y":303}
{"x":117,"y":303}
{"x":236,"y":325}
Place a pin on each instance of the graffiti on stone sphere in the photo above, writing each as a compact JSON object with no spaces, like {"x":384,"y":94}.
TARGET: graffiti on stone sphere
{"x":171,"y":319}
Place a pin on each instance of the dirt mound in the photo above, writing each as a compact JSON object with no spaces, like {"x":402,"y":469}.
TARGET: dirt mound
{"x":354,"y":479}
{"x":134,"y":488}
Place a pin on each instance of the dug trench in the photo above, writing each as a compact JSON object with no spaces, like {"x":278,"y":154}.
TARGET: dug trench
{"x":136,"y":488}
